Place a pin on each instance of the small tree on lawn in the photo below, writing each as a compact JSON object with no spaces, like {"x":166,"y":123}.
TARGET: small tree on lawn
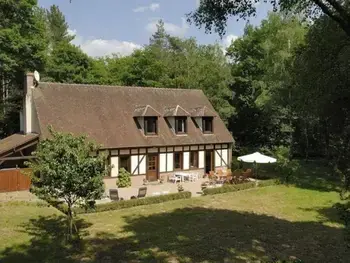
{"x":65,"y":168}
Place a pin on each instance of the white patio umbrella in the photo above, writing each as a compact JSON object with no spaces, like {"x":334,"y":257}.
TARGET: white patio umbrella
{"x":256,"y":158}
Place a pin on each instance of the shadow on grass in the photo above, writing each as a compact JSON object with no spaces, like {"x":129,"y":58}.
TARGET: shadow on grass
{"x":313,"y":175}
{"x":188,"y":235}
{"x":48,"y":241}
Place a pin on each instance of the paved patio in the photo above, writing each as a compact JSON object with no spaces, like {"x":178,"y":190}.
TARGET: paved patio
{"x":125,"y":193}
{"x":158,"y":189}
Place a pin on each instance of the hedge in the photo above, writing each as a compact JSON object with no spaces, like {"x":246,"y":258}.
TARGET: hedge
{"x":228,"y":188}
{"x":134,"y":202}
{"x":268,"y":182}
{"x":238,"y":187}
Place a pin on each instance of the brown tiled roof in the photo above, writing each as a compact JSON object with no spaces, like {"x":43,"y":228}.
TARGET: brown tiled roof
{"x":14,"y":141}
{"x":146,"y":111}
{"x":202,"y":112}
{"x":175,"y":111}
{"x":105,"y":113}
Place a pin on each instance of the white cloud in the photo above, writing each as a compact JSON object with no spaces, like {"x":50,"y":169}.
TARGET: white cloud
{"x":227,"y":41}
{"x":152,"y":7}
{"x":97,"y":47}
{"x":170,"y":28}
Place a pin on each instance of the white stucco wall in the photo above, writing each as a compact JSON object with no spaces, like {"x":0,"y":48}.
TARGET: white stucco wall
{"x":223,"y":160}
{"x":134,"y":163}
{"x":115,"y":166}
{"x":142,"y":167}
{"x":201,"y":159}
{"x":217,"y":158}
{"x":224,"y":156}
{"x":135,"y":160}
{"x":162,"y":162}
{"x":28,"y":105}
{"x":170,"y":162}
{"x":186,"y":160}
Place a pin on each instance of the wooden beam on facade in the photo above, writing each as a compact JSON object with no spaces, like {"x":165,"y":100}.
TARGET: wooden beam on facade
{"x":17,"y":158}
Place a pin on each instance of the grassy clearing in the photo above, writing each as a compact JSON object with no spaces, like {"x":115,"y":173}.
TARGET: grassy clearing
{"x":265,"y":223}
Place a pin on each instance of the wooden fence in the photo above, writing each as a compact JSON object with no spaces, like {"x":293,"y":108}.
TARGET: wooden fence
{"x":14,"y":180}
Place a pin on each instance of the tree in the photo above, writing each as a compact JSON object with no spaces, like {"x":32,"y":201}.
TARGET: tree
{"x":66,"y":169}
{"x":23,"y":46}
{"x":262,"y":58}
{"x":213,"y":14}
{"x":68,"y":63}
{"x":57,"y":26}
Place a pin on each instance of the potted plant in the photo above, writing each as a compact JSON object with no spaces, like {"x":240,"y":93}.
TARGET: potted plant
{"x":161,"y":180}
{"x":180,"y":188}
{"x":204,"y":185}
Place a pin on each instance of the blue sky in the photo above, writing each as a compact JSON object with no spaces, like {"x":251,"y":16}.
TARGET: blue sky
{"x":103,"y":27}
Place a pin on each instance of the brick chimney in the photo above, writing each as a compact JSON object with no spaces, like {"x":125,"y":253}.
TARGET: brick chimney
{"x":28,"y":106}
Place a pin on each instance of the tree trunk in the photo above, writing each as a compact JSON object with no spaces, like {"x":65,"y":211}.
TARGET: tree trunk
{"x":70,"y":221}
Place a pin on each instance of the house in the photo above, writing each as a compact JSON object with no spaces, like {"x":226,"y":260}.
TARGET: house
{"x":151,"y":132}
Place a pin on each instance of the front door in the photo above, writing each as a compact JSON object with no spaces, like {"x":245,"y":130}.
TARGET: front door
{"x":209,"y":161}
{"x":152,"y":167}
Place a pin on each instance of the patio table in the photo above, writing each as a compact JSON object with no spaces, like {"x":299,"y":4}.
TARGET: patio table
{"x":183,"y":176}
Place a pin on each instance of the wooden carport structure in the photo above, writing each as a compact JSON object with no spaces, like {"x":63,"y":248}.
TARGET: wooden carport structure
{"x":14,"y":151}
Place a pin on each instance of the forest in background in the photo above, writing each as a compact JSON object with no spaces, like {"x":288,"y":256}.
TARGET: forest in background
{"x":283,"y":83}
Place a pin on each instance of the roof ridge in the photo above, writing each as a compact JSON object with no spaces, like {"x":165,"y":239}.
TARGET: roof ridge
{"x":115,"y":86}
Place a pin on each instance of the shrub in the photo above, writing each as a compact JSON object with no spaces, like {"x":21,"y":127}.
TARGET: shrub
{"x":286,"y":167}
{"x":180,"y":188}
{"x":268,"y":182}
{"x":235,"y":164}
{"x":228,"y":188}
{"x":134,"y":202}
{"x":124,"y":179}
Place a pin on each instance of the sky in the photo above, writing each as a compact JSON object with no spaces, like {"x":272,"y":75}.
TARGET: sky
{"x":103,"y":27}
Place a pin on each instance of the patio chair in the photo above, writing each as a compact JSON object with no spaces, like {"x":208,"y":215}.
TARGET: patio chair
{"x":175,"y":179}
{"x":194,"y":177}
{"x":114,"y":195}
{"x":142,"y":192}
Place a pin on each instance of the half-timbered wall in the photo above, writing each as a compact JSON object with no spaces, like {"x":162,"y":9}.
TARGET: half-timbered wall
{"x":138,"y":157}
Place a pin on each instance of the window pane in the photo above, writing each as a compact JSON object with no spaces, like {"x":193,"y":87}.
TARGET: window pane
{"x":125,"y":163}
{"x":194,"y":160}
{"x":151,"y":125}
{"x":177,"y":160}
{"x":180,"y":125}
{"x":208,"y":124}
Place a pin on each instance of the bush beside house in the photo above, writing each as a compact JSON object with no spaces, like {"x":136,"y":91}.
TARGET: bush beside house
{"x":124,"y":179}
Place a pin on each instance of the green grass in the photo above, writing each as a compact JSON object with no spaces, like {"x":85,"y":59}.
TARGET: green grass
{"x":268,"y":223}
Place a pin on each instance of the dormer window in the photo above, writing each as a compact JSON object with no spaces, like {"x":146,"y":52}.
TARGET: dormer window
{"x":151,"y":125}
{"x":181,"y":125}
{"x":207,"y":124}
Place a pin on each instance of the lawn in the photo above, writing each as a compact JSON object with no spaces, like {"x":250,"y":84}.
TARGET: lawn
{"x":276,"y":222}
